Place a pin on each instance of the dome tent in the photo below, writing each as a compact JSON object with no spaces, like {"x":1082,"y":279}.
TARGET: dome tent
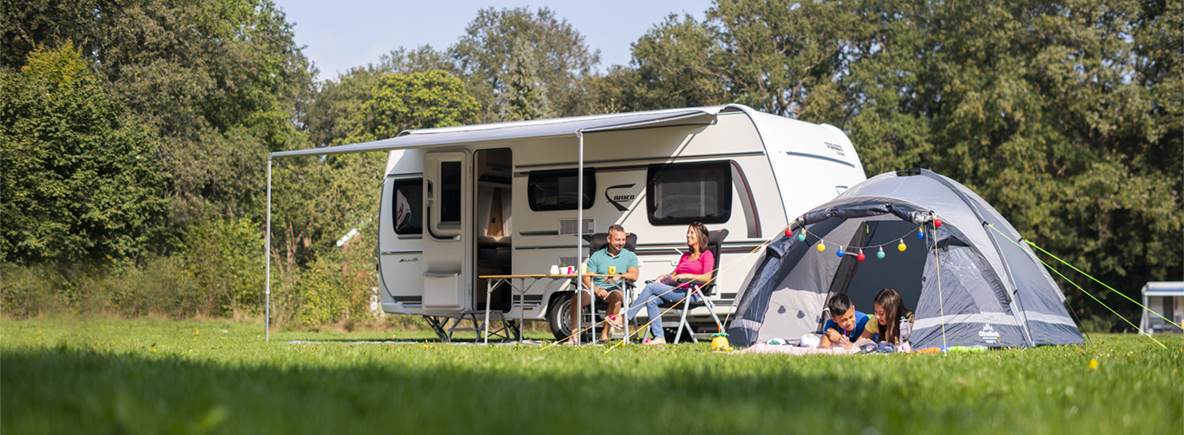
{"x":970,"y":281}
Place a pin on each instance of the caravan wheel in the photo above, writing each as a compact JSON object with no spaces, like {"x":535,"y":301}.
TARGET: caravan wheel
{"x":559,"y":316}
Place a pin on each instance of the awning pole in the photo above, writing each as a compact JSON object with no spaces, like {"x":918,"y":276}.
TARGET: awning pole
{"x":580,"y":240}
{"x":267,"y":260}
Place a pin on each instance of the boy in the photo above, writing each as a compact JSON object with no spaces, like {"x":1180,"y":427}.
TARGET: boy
{"x":845,"y":325}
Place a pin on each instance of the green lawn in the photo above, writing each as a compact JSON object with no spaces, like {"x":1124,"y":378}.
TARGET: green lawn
{"x":155,"y":376}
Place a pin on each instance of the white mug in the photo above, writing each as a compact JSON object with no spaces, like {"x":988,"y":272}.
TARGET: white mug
{"x":555,"y":269}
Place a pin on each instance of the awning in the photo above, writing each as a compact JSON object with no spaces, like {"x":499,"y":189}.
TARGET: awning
{"x":522,"y":130}
{"x":1164,"y":288}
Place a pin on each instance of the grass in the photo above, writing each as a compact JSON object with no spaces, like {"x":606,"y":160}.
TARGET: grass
{"x":156,"y":376}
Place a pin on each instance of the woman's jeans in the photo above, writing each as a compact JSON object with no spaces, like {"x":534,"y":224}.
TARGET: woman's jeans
{"x":651,"y":296}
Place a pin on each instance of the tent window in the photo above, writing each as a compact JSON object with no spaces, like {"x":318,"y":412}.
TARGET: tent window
{"x":679,"y":194}
{"x":450,"y":183}
{"x":557,"y":190}
{"x":408,"y":207}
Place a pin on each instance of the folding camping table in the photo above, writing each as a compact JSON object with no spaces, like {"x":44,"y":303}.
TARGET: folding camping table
{"x":526,"y":281}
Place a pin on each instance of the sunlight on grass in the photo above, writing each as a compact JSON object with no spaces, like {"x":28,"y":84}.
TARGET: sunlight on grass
{"x":146,"y":376}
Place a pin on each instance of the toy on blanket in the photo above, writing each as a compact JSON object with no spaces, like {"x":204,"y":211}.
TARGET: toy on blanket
{"x":777,"y":342}
{"x":810,"y":340}
{"x":719,"y":342}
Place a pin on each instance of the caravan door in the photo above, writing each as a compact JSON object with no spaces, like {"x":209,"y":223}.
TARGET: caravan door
{"x":447,"y":194}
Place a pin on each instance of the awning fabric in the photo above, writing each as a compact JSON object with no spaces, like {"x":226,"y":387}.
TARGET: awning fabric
{"x":522,"y":130}
{"x":1164,"y":288}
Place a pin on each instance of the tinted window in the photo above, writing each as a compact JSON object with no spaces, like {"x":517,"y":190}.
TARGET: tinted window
{"x":679,"y":194}
{"x":450,"y":179}
{"x":557,"y":190}
{"x":408,"y":206}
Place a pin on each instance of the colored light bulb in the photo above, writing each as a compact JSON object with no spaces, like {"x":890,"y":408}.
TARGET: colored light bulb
{"x":788,"y":232}
{"x":880,"y":254}
{"x":821,"y":246}
{"x":840,"y":253}
{"x":901,"y":247}
{"x":936,"y":223}
{"x":921,"y":235}
{"x":860,"y":257}
{"x":802,"y":236}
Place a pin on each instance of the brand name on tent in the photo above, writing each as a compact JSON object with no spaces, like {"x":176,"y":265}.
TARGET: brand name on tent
{"x":988,"y":334}
{"x":838,"y":149}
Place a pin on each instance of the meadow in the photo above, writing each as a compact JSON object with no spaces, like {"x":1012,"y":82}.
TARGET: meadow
{"x":108,"y":375}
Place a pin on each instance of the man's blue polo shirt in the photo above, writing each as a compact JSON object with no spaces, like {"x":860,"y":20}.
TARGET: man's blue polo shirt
{"x":601,"y":260}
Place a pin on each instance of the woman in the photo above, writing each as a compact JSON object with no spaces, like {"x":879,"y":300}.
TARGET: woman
{"x":694,"y":265}
{"x":889,"y":309}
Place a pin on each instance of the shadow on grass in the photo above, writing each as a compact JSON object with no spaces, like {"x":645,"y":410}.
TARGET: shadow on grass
{"x":445,"y":389}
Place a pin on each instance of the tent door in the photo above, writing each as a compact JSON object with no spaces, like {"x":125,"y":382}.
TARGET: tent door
{"x":448,"y":198}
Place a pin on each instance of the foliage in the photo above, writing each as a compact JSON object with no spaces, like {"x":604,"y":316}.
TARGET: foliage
{"x":415,"y":101}
{"x":1064,"y":115}
{"x":81,"y":182}
{"x":338,"y":110}
{"x":159,"y":376}
{"x":525,"y":97}
{"x":221,"y":81}
{"x":485,"y":56}
{"x":222,"y":254}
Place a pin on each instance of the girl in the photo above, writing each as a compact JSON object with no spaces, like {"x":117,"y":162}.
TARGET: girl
{"x":889,"y":309}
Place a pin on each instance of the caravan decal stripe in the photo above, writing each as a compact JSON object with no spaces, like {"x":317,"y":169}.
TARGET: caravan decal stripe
{"x":956,"y":319}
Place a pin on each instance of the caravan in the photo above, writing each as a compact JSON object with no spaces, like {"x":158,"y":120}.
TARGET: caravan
{"x":459,"y":203}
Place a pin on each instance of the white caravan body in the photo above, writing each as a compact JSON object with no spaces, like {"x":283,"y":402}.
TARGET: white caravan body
{"x":497,"y":199}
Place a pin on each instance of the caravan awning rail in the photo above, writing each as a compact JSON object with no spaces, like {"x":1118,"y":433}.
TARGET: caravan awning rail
{"x":522,"y":130}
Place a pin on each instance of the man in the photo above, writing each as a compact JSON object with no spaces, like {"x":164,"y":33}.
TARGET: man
{"x":605,"y":288}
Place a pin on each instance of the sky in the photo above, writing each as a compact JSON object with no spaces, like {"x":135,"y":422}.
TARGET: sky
{"x":347,"y":33}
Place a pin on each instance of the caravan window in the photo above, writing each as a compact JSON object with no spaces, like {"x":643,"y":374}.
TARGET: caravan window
{"x":408,"y":207}
{"x":678,"y":194}
{"x":557,"y":190}
{"x":450,"y":192}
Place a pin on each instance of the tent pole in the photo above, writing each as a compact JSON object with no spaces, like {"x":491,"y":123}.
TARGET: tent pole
{"x":267,"y":260}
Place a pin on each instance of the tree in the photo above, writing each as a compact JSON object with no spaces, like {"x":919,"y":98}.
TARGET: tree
{"x":338,"y":109}
{"x":80,"y":180}
{"x":484,"y":57}
{"x":417,"y":100}
{"x":672,"y":67}
{"x":221,"y":80}
{"x":525,"y":97}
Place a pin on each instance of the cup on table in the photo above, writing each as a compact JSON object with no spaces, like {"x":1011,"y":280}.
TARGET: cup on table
{"x":570,"y":270}
{"x":583,"y":267}
{"x":612,"y":270}
{"x":555,"y":269}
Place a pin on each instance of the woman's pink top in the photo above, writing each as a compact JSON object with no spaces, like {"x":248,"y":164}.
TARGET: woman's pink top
{"x":705,"y":264}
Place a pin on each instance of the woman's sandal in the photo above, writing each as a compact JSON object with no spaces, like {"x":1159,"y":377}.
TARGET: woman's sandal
{"x":611,"y":320}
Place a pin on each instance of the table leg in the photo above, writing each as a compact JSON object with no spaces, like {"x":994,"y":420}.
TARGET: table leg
{"x":488,"y":294}
{"x":521,"y":309}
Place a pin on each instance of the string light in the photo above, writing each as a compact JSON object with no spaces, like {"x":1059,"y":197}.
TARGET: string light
{"x":788,"y":232}
{"x":857,"y":251}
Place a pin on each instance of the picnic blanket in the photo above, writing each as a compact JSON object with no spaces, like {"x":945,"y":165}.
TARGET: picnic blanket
{"x":795,"y":350}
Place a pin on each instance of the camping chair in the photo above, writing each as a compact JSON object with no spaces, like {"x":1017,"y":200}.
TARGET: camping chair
{"x":715,"y":239}
{"x":597,"y":242}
